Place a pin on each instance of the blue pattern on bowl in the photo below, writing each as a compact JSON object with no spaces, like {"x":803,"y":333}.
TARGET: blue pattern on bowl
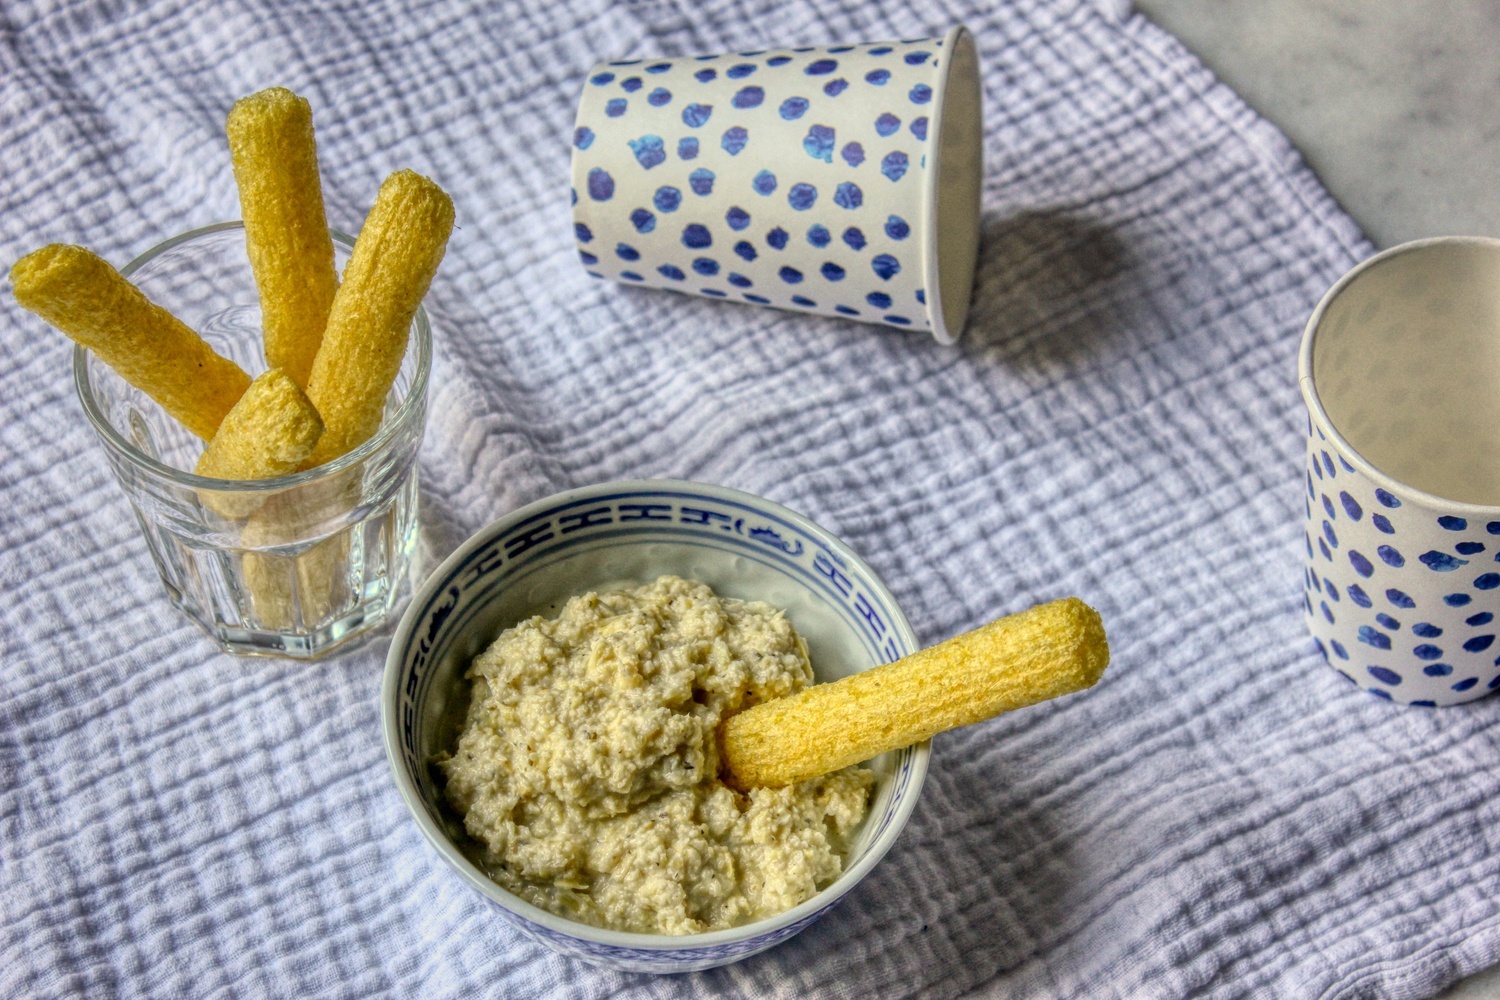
{"x":446,"y":625}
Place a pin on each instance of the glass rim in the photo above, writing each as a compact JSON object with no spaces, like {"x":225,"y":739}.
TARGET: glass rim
{"x":415,"y":396}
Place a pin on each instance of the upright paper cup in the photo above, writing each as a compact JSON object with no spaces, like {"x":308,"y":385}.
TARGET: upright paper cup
{"x":842,"y":181}
{"x":1399,"y":369}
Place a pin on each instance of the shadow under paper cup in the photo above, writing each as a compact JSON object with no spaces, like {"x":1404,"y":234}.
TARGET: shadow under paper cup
{"x":842,"y":181}
{"x":1398,"y":369}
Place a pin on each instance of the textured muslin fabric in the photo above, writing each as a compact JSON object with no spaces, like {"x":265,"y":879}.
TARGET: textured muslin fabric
{"x":1222,"y":816}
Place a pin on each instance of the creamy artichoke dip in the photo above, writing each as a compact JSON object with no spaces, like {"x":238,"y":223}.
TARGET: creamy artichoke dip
{"x":588,"y":766}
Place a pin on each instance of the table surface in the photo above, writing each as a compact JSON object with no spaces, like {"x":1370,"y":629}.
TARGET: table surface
{"x":1391,"y":104}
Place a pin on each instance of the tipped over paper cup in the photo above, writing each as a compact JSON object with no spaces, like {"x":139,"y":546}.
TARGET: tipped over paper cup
{"x":842,"y":181}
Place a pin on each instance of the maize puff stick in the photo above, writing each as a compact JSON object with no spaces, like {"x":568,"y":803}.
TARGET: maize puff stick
{"x":395,"y":256}
{"x":297,"y":588}
{"x":269,"y":432}
{"x":87,"y":299}
{"x":286,"y":232}
{"x":1052,"y":650}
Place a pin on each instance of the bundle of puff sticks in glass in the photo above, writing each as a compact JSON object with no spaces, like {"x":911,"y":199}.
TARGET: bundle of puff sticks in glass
{"x":291,"y":532}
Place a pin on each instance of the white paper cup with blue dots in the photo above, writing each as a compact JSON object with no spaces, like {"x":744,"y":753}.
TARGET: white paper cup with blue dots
{"x":842,"y":181}
{"x":1399,"y":368}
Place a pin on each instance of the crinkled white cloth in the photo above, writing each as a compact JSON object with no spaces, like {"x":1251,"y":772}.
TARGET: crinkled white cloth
{"x":1222,"y":816}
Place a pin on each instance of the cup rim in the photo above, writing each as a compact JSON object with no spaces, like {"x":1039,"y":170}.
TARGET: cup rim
{"x":438,"y":840}
{"x":931,"y":271}
{"x":414,"y":399}
{"x":1320,"y":416}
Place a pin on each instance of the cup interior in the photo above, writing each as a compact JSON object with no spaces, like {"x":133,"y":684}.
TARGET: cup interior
{"x":1405,"y":360}
{"x":533,"y":561}
{"x":955,"y":200}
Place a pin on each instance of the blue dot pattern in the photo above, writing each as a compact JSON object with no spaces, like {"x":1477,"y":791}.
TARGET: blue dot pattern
{"x":819,"y":143}
{"x":649,"y":151}
{"x":667,"y":199}
{"x":817,"y":173}
{"x":793,"y":108}
{"x":601,"y":184}
{"x":1423,"y":592}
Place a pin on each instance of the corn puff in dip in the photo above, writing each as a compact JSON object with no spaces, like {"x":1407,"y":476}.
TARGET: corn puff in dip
{"x":1049,"y":651}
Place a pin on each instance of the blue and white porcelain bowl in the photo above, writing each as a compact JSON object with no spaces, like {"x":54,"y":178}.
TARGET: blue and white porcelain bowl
{"x":530,"y":561}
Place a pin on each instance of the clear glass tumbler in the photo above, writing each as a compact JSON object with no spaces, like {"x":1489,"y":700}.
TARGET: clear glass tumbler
{"x":293,"y":566}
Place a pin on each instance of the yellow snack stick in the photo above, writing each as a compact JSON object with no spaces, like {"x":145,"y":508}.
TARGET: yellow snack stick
{"x":286,"y":231}
{"x":293,"y":588}
{"x":395,"y":256}
{"x":269,"y":432}
{"x":87,"y":299}
{"x":1052,"y":650}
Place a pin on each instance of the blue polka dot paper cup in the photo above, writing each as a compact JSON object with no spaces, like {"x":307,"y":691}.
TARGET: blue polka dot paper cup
{"x":842,"y":181}
{"x":1398,"y":368}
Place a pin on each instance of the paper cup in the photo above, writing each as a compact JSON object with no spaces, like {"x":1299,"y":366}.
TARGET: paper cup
{"x":842,"y":181}
{"x":1398,"y":369}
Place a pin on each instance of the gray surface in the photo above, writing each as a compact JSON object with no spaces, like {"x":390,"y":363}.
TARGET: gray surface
{"x":1392,"y":104}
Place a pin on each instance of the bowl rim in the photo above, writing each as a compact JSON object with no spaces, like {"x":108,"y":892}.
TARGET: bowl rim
{"x":437,"y":839}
